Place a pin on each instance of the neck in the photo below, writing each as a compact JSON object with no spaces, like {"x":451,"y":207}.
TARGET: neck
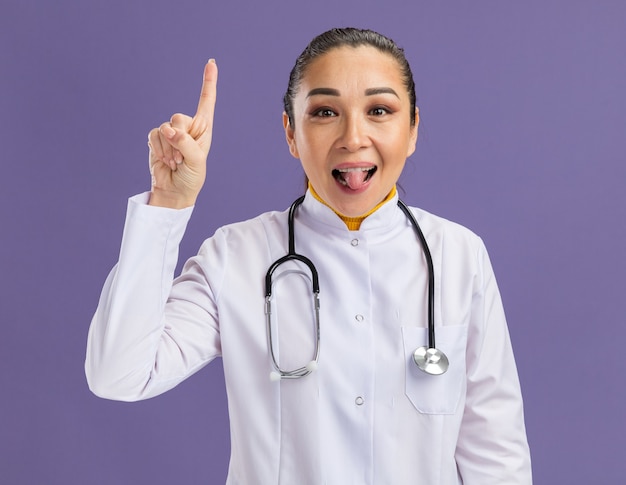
{"x":354,"y":223}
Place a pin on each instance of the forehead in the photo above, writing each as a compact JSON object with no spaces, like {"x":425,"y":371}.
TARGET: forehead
{"x":346,"y":68}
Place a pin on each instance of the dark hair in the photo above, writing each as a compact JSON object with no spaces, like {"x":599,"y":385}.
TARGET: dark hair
{"x":350,"y":37}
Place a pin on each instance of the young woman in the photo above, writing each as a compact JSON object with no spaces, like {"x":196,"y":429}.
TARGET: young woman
{"x":362,"y":390}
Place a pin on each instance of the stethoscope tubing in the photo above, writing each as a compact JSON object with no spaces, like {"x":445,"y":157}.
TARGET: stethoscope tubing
{"x":429,"y":359}
{"x":431,"y":273}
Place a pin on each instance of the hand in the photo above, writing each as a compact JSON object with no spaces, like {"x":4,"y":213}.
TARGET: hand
{"x":179,"y":150}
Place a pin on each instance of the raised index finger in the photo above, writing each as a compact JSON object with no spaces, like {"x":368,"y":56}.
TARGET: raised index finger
{"x":206,"y":104}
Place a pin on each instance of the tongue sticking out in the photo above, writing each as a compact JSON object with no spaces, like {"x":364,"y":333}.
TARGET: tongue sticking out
{"x":354,"y":178}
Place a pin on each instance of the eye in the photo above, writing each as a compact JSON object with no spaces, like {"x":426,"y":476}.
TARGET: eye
{"x":379,"y":111}
{"x":324,"y":113}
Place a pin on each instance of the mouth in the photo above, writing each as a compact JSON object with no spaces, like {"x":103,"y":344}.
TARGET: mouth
{"x":354,"y":178}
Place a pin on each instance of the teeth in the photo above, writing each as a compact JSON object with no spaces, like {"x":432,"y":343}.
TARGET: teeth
{"x":338,"y":171}
{"x":370,"y":172}
{"x":354,"y":169}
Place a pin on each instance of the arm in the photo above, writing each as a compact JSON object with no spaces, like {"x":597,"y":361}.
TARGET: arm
{"x":142,"y":342}
{"x":492,"y":446}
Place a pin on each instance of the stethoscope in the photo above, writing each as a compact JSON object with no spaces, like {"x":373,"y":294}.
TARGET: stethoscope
{"x":428,"y":358}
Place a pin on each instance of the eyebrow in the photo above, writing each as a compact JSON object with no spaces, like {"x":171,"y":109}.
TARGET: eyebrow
{"x":323,"y":91}
{"x":335,"y":92}
{"x":374,"y":91}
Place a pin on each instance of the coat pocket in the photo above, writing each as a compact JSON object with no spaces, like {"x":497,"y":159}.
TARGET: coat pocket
{"x":438,"y":394}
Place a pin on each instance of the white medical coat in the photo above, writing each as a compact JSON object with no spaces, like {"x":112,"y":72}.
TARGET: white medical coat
{"x":368,"y":415}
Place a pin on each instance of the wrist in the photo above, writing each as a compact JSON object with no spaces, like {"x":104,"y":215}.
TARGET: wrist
{"x":162,"y":198}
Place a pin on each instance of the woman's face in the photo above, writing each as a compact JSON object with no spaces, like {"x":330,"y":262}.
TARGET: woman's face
{"x":352,"y":129}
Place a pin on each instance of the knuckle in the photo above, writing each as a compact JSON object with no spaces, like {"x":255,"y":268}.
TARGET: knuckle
{"x":179,"y":119}
{"x":153,"y":133}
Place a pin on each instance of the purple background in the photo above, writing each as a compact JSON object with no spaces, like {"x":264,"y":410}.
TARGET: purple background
{"x":522,"y":140}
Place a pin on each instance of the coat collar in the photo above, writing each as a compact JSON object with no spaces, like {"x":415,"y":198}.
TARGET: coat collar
{"x":314,"y":213}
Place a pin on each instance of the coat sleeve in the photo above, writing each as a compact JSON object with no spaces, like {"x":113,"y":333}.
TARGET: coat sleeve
{"x":492,"y":446}
{"x":145,"y":337}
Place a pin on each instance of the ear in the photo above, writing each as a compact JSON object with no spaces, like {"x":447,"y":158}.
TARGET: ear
{"x":413,"y":135}
{"x":290,"y":136}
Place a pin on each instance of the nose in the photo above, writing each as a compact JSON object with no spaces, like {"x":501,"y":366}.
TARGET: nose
{"x":354,"y":133}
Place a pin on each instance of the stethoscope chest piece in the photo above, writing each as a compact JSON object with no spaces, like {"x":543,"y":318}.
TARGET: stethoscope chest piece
{"x":430,"y":360}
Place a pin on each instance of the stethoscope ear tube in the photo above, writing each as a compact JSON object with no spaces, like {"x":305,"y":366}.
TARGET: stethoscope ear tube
{"x":278,"y":373}
{"x":311,"y":366}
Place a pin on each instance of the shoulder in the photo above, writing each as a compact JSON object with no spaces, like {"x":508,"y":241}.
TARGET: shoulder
{"x":435,"y":226}
{"x":256,"y":233}
{"x":259,"y":225}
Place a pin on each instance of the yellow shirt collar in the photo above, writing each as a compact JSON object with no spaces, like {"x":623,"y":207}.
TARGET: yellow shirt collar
{"x":354,"y":223}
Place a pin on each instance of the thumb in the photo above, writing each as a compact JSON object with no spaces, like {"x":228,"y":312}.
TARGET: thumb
{"x":183,"y":142}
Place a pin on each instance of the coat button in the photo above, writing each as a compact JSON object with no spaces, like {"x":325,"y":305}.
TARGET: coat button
{"x":359,"y":401}
{"x":359,"y":318}
{"x":354,"y":242}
